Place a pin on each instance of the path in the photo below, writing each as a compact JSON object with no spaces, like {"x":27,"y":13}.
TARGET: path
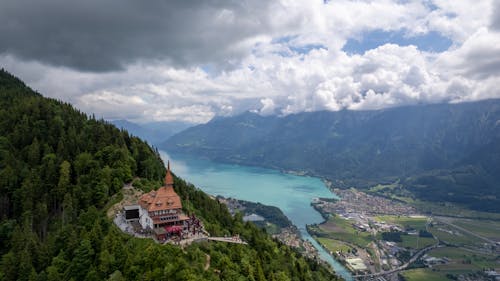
{"x":192,"y":238}
{"x":235,"y":240}
{"x":207,"y":264}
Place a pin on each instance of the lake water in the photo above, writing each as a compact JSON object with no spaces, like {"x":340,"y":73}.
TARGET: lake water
{"x":291,"y":193}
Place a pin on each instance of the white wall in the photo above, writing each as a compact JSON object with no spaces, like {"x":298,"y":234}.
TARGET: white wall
{"x":144,"y":219}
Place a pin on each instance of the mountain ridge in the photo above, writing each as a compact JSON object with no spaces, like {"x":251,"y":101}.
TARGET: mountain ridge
{"x":358,"y":148}
{"x":60,"y":170}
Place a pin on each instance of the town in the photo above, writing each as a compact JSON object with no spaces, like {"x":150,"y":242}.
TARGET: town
{"x":382,"y":239}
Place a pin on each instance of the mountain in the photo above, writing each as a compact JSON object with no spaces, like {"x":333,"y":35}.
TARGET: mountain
{"x":60,"y":171}
{"x":446,"y":149}
{"x":153,"y":132}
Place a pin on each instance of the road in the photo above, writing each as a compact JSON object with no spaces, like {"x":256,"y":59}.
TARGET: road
{"x":449,"y":222}
{"x":412,"y":259}
{"x":402,"y":267}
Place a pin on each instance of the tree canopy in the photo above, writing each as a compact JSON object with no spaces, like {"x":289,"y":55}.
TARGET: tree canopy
{"x":61,"y":169}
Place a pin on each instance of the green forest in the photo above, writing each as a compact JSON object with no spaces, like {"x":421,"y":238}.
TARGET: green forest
{"x":61,"y":169}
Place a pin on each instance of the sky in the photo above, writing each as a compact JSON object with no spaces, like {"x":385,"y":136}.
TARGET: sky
{"x":190,"y":61}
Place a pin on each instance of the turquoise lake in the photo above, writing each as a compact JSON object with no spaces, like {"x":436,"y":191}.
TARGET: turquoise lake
{"x":291,"y":193}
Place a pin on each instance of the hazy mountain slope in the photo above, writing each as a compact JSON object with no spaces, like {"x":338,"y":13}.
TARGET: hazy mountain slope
{"x":473,"y":182}
{"x":152,"y":132}
{"x":358,"y":147}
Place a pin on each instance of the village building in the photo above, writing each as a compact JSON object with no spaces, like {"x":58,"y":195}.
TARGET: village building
{"x":159,"y":211}
{"x":253,"y":218}
{"x":356,"y":265}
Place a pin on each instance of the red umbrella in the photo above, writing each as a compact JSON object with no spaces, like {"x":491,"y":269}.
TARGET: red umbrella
{"x":173,"y":229}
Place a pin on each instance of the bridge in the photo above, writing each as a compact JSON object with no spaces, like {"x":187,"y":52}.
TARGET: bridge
{"x":414,"y":258}
{"x":404,"y":266}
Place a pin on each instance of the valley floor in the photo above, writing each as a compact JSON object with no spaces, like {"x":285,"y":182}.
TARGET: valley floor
{"x":377,"y":236}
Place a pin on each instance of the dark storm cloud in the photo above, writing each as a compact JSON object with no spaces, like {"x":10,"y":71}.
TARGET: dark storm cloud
{"x":102,"y":35}
{"x":495,"y":17}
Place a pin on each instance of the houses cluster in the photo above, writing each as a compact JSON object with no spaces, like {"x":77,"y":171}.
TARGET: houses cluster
{"x":493,"y":274}
{"x":233,"y":205}
{"x":382,"y":226}
{"x":354,"y":201}
{"x":253,"y":218}
{"x":356,"y":265}
{"x":431,"y":261}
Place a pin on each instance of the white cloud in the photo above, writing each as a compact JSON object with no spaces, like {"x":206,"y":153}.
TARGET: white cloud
{"x":272,"y":76}
{"x":478,"y":57}
{"x":268,"y":106}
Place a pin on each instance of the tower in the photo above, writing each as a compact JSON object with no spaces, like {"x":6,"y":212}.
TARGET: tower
{"x":169,"y":180}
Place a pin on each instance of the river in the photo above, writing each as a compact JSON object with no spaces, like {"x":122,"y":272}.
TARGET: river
{"x":291,"y":193}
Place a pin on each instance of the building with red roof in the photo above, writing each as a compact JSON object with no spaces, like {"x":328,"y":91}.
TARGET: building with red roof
{"x":162,"y":208}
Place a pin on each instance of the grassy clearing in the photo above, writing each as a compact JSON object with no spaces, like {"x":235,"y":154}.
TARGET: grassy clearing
{"x":333,"y":245}
{"x":341,"y":229}
{"x":453,"y":236}
{"x":448,"y":209}
{"x":486,"y":228}
{"x":438,"y":272}
{"x":415,"y":242}
{"x":403,"y":221}
{"x":463,"y":260}
{"x":382,"y":187}
{"x":423,"y":274}
{"x":448,"y":252}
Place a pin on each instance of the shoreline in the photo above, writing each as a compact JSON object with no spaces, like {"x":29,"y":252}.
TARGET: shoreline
{"x":287,"y":233}
{"x":325,"y":217}
{"x":316,"y":253}
{"x":318,"y":183}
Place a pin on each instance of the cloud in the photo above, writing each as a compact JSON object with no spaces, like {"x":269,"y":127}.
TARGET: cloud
{"x":192,"y":61}
{"x":96,"y":35}
{"x":116,"y":105}
{"x":268,"y":106}
{"x":478,"y":57}
{"x":495,"y":16}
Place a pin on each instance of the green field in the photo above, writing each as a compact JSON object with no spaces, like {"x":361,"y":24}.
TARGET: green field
{"x":403,"y":221}
{"x":448,"y":252}
{"x":457,"y":238}
{"x":423,"y":274}
{"x":485,"y":228}
{"x":415,"y":242}
{"x":333,"y":245}
{"x":384,"y":187}
{"x":438,"y":272}
{"x":341,"y":229}
{"x":448,"y":209}
{"x":463,"y":260}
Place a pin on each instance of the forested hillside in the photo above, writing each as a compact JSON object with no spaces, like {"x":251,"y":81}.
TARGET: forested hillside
{"x":441,"y":152}
{"x":60,"y":170}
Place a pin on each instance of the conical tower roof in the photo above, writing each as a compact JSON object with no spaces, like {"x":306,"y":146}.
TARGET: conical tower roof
{"x":169,"y":179}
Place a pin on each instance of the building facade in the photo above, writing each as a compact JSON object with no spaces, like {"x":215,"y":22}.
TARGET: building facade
{"x":161,"y":210}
